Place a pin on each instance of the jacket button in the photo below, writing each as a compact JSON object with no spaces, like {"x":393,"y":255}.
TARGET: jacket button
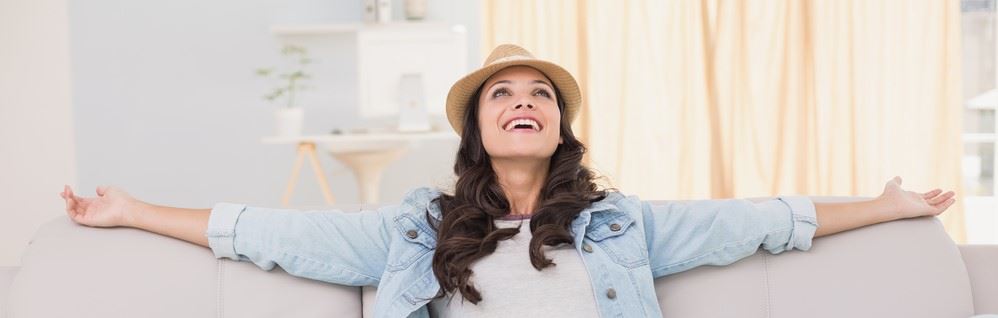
{"x":412,"y":234}
{"x":586,"y":247}
{"x":611,"y":293}
{"x":615,"y":227}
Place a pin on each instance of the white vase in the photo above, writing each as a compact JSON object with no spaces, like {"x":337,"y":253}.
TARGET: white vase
{"x":289,"y":121}
{"x":384,"y":11}
{"x":415,"y":9}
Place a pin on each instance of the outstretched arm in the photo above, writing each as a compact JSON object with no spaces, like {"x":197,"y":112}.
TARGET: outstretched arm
{"x":895,"y":203}
{"x":330,"y":246}
{"x":114,"y":207}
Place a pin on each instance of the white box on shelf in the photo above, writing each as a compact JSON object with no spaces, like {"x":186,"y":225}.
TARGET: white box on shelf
{"x":380,"y":54}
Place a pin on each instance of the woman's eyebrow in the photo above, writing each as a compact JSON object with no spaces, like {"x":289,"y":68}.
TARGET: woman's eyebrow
{"x":499,"y":82}
{"x":508,"y":82}
{"x":544,"y":82}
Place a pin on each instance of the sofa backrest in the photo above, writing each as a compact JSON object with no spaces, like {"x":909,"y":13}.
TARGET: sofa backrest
{"x":70,"y":270}
{"x":906,"y":268}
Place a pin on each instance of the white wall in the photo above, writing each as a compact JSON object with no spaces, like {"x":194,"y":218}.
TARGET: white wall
{"x":166,"y":106}
{"x":36,"y":123}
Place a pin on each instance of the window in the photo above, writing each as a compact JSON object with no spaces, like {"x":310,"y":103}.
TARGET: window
{"x":980,"y":100}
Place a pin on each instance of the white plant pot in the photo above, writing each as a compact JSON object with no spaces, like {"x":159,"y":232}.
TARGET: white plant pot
{"x":289,"y":121}
{"x":415,"y":9}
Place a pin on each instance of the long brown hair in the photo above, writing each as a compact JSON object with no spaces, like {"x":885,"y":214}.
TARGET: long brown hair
{"x":467,"y":232}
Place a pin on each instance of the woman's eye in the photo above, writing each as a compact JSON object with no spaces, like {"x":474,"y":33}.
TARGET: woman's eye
{"x":542,"y":92}
{"x":500,"y":92}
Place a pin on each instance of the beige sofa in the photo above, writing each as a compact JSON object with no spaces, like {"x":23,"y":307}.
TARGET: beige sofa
{"x":907,"y":268}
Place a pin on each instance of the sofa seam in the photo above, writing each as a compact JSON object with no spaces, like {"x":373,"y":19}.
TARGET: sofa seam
{"x":360,"y":290}
{"x":768,"y":286}
{"x":219,"y":297}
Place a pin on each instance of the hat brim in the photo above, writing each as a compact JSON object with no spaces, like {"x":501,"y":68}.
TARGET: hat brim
{"x":461,"y":93}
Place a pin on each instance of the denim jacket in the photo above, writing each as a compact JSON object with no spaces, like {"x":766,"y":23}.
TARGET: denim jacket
{"x":625,"y":244}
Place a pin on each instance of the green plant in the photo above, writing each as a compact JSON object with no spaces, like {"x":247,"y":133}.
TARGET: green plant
{"x":291,"y":81}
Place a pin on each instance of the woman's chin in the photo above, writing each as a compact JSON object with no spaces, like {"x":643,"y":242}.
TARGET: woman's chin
{"x":523,"y":147}
{"x":521,"y":154}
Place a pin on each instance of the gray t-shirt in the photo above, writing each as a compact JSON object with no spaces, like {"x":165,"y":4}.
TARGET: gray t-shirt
{"x":512,"y":287}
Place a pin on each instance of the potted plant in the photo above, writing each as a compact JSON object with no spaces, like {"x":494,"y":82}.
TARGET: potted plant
{"x":290,"y":116}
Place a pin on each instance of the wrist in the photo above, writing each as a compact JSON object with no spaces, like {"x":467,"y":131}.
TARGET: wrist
{"x":886,"y":208}
{"x":134,"y":212}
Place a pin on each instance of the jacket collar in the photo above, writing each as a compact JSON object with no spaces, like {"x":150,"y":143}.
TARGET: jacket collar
{"x":602,"y":209}
{"x":420,"y":200}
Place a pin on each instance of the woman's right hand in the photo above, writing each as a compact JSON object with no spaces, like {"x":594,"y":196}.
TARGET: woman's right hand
{"x":111,"y":207}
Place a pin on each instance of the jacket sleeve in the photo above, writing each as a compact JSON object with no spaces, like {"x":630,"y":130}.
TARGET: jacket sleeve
{"x":684,"y":235}
{"x":330,"y":246}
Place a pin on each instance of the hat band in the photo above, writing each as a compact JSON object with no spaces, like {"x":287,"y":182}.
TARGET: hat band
{"x":510,"y":58}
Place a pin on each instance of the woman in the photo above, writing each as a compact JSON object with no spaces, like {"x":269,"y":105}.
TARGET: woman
{"x":526,"y":231}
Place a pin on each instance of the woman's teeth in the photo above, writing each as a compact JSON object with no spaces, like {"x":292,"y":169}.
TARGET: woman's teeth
{"x":525,"y":122}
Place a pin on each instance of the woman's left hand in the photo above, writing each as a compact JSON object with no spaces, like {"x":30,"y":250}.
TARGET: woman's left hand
{"x":909,"y":204}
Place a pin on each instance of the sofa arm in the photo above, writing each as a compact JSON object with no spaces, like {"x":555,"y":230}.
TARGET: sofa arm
{"x":6,"y":277}
{"x":982,"y":266}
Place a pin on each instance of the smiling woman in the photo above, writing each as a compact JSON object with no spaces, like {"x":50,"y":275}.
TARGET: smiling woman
{"x":519,"y":102}
{"x":534,"y":172}
{"x":585,"y":252}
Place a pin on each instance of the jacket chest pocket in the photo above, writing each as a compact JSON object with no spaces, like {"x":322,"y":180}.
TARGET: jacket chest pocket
{"x":620,"y":239}
{"x":416,"y":242}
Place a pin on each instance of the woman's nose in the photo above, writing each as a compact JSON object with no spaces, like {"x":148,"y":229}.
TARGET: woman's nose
{"x":522,"y":105}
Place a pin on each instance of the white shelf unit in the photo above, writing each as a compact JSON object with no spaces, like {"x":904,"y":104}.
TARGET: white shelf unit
{"x":375,"y":56}
{"x":334,"y":28}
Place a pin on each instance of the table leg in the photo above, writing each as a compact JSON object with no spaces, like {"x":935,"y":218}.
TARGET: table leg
{"x":307,"y":149}
{"x":295,"y":170}
{"x":320,"y":176}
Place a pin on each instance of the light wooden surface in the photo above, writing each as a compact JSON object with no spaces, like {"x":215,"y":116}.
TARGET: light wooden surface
{"x":366,"y":154}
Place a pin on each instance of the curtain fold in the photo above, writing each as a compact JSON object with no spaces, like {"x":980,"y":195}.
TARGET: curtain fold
{"x":722,"y":99}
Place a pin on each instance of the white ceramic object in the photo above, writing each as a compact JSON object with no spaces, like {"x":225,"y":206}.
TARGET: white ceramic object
{"x":384,"y":11}
{"x":289,"y":121}
{"x":415,"y":9}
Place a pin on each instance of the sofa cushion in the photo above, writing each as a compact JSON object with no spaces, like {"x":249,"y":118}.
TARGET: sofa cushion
{"x":6,"y":277}
{"x":982,"y":264}
{"x":70,"y":270}
{"x":907,"y":268}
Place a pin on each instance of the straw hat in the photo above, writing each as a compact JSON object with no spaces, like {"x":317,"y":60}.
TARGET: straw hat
{"x":504,"y":56}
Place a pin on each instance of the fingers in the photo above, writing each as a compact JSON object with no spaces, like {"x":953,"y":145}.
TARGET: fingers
{"x":931,"y":194}
{"x":101,"y":190}
{"x":71,"y":203}
{"x":896,"y":179}
{"x":945,"y":205}
{"x":940,"y":198}
{"x":69,"y":193}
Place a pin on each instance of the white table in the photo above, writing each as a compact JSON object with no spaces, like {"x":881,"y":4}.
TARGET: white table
{"x":367,"y":155}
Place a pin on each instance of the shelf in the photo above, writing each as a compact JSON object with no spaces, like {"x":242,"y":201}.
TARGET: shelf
{"x":335,"y":28}
{"x":985,"y":101}
{"x":978,"y":138}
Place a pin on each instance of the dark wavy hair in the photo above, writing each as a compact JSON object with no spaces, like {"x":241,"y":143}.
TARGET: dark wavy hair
{"x":466,"y":231}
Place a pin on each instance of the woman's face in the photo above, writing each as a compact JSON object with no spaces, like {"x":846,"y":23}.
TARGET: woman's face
{"x":518,"y":114}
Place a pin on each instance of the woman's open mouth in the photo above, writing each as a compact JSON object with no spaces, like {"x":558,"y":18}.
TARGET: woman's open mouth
{"x":522,"y":124}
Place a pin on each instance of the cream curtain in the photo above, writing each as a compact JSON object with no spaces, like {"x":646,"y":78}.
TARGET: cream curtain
{"x":718,"y":99}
